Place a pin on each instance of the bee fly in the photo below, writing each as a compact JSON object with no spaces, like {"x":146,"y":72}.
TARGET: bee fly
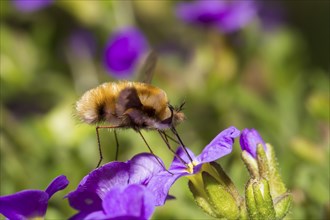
{"x":135,"y":105}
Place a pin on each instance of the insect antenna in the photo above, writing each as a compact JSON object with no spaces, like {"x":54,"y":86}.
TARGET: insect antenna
{"x":99,"y":142}
{"x":174,"y":131}
{"x":153,"y":152}
{"x":164,"y":137}
{"x":180,"y":108}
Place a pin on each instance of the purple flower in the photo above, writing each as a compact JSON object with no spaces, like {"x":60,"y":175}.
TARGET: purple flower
{"x":94,"y":191}
{"x":227,"y":16}
{"x":31,"y":5}
{"x":239,"y":14}
{"x":249,"y":140}
{"x":220,"y":146}
{"x":29,"y":204}
{"x":133,"y":201}
{"x":123,"y":51}
{"x":93,"y":197}
{"x":201,"y":12}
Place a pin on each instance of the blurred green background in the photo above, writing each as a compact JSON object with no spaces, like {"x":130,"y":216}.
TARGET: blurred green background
{"x":275,"y":80}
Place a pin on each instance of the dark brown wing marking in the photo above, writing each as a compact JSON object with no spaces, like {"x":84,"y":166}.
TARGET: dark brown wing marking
{"x":138,"y":119}
{"x":128,"y":98}
{"x":132,"y":112}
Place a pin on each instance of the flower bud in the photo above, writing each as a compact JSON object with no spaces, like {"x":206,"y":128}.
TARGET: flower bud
{"x":251,"y":164}
{"x":249,"y":140}
{"x":215,"y":193}
{"x":220,"y":198}
{"x":265,"y":182}
{"x":201,"y":198}
{"x":259,"y":201}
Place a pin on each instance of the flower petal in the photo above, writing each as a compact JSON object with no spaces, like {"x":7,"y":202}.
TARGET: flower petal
{"x":94,"y":215}
{"x":220,"y":146}
{"x":249,"y":140}
{"x":101,"y":216}
{"x":134,"y":200}
{"x":160,"y":185}
{"x":92,"y":189}
{"x":143,"y":166}
{"x":84,"y":201}
{"x":177,"y":166}
{"x":57,"y":184}
{"x":24,"y":204}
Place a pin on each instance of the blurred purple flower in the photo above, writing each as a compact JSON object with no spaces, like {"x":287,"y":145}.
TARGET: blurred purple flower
{"x":31,"y":5}
{"x":28,"y":204}
{"x":201,"y":12}
{"x":249,"y":140}
{"x":227,"y":16}
{"x":95,"y":190}
{"x":82,"y":41}
{"x":123,"y":51}
{"x":220,"y":146}
{"x":239,"y":14}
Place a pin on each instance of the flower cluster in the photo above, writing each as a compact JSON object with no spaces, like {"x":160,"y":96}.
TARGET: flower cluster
{"x":133,"y":189}
{"x":114,"y":182}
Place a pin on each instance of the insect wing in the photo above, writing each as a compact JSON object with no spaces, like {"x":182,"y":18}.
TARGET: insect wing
{"x":148,"y":68}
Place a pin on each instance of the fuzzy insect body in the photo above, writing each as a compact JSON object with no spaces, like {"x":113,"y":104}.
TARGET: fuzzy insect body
{"x":129,"y":105}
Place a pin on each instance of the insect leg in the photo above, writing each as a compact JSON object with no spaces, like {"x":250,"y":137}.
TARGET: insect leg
{"x":174,"y":131}
{"x":152,"y":152}
{"x":99,"y":146}
{"x":169,"y":137}
{"x":117,"y":144}
{"x":99,"y":142}
{"x":164,"y":137}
